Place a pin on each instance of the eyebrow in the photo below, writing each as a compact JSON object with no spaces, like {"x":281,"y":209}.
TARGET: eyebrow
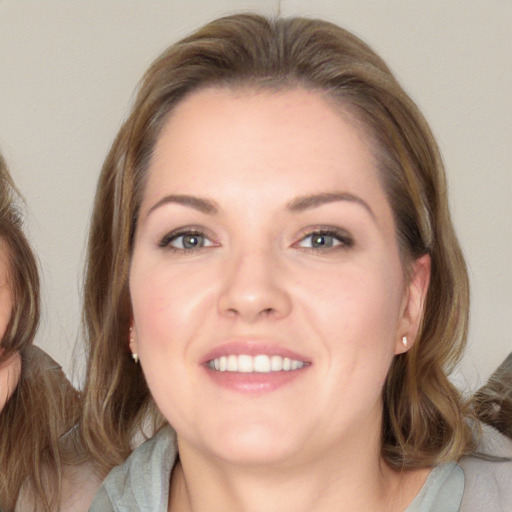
{"x":203,"y":205}
{"x":302,"y":203}
{"x":299,"y":204}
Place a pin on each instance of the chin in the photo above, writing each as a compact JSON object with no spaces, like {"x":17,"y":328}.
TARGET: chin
{"x":254,"y":445}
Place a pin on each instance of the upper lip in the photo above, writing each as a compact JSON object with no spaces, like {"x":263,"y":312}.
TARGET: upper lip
{"x":252,"y":347}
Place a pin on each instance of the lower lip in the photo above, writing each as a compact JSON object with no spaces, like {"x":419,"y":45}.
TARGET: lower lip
{"x":255,"y":383}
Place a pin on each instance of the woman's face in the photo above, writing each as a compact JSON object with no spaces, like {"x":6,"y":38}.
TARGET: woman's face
{"x":10,"y":369}
{"x":266,"y":282}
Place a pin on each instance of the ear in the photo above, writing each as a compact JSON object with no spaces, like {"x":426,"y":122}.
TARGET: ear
{"x":413,"y":304}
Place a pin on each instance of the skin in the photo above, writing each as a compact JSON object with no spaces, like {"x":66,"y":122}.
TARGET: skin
{"x":314,"y":443}
{"x":9,"y":369}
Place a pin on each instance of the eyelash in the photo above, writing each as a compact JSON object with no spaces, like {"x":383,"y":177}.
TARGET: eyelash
{"x":342,"y":237}
{"x":166,"y":241}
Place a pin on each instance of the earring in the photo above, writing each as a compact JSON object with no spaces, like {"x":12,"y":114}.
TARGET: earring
{"x":404,"y":341}
{"x":135,"y":356}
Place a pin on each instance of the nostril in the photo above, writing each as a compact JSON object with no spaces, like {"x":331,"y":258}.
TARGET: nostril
{"x":263,"y":312}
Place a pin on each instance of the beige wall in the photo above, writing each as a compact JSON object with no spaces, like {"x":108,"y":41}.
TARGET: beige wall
{"x":68,"y":69}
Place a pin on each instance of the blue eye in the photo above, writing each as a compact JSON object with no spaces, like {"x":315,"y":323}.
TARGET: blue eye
{"x":185,"y":241}
{"x":321,"y":239}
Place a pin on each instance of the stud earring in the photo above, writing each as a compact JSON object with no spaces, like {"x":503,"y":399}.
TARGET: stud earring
{"x":135,"y":356}
{"x":404,"y":341}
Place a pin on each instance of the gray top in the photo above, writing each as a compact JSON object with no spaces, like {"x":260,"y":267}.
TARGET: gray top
{"x":442,"y":492}
{"x":141,"y":484}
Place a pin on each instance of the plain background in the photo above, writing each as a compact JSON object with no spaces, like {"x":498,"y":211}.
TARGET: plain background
{"x":68,"y":71}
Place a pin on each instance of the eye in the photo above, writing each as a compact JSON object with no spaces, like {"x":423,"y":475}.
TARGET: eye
{"x":187,"y":240}
{"x":325,"y":239}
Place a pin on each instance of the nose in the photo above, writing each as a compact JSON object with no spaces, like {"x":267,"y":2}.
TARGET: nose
{"x":254,"y":288}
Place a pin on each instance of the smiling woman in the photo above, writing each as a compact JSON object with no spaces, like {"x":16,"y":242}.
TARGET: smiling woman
{"x":271,"y":239}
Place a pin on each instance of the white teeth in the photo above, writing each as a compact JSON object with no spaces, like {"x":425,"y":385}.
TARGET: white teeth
{"x":276,"y":363}
{"x":232,"y":363}
{"x":245,"y":364}
{"x":258,"y":364}
{"x":261,"y":364}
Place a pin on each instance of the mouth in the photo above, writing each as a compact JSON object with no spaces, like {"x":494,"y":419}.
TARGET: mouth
{"x":259,"y":363}
{"x":254,"y":366}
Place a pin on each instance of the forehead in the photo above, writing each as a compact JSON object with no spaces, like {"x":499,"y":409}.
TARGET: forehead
{"x":263,"y":134}
{"x":261,"y":150}
{"x":245,"y":111}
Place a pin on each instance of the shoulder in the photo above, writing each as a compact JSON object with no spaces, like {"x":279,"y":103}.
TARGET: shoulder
{"x":442,"y":490}
{"x":488,"y":474}
{"x":141,"y":483}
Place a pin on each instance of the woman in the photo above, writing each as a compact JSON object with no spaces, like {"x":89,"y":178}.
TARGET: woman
{"x":271,"y":239}
{"x":39,"y":465}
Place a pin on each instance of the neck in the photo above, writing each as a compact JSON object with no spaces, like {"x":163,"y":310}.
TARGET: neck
{"x":351,"y":477}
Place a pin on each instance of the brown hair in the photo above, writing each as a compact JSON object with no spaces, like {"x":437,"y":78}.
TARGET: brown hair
{"x":493,"y":402}
{"x":424,"y":414}
{"x":44,"y":405}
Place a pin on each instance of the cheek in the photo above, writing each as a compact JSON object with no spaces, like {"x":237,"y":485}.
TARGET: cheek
{"x":156,"y":309}
{"x":355,"y":312}
{"x":9,"y":370}
{"x":169,"y":311}
{"x":5,"y":310}
{"x":167,"y":304}
{"x":351,"y":301}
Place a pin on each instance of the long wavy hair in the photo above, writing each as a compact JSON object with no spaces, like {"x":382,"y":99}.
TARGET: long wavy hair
{"x":424,"y":414}
{"x":41,"y":409}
